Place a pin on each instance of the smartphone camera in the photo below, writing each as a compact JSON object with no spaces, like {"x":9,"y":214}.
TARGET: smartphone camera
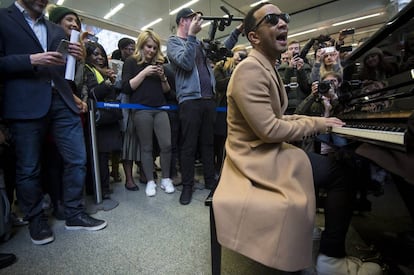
{"x":63,"y":47}
{"x":348,"y":31}
{"x":92,"y":38}
{"x":329,"y":49}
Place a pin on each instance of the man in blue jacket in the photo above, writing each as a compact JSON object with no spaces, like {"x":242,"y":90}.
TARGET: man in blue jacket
{"x":194,"y":81}
{"x":38,"y":99}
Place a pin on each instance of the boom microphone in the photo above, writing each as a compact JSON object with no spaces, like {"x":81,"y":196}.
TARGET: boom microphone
{"x":223,"y":8}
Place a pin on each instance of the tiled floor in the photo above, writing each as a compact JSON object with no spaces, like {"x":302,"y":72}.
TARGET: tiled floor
{"x":149,"y":236}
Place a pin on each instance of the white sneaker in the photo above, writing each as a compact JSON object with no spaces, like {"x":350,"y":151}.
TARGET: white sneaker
{"x":167,"y":186}
{"x":150,"y":190}
{"x":345,"y":266}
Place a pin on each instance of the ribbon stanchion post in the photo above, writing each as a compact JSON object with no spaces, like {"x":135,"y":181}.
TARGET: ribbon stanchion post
{"x":94,"y":152}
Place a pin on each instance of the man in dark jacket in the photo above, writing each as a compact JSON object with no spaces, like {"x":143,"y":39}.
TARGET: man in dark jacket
{"x":38,"y":98}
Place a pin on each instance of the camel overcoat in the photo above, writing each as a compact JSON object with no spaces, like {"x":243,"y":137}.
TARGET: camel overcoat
{"x":264,"y":204}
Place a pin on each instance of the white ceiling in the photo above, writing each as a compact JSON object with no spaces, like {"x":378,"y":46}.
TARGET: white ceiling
{"x":305,"y":14}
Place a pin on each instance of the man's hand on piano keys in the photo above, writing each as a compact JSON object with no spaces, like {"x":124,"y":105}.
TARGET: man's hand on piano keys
{"x":333,"y":122}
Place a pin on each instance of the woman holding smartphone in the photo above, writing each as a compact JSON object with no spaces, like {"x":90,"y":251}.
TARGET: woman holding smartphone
{"x":326,"y":60}
{"x":144,"y":80}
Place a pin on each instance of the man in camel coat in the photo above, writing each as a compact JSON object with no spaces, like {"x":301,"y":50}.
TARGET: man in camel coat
{"x":264,"y":204}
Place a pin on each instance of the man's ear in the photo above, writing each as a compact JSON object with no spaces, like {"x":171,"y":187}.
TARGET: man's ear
{"x":253,"y":38}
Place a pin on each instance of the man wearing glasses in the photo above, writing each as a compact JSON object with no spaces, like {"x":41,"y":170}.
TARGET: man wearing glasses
{"x":264,"y":204}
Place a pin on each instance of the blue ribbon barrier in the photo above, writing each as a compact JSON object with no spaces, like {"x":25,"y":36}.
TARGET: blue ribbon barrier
{"x":143,"y":107}
{"x":221,"y":109}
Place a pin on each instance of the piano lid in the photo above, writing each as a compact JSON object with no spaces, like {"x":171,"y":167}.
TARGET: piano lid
{"x":393,"y":36}
{"x":377,"y":93}
{"x":384,"y":64}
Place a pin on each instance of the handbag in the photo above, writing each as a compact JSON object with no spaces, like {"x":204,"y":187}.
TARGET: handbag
{"x":106,"y":116}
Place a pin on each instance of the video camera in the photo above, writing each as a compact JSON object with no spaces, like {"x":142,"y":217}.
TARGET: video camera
{"x":215,"y":49}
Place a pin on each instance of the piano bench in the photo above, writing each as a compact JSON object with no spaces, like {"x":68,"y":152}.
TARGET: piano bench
{"x":215,"y":246}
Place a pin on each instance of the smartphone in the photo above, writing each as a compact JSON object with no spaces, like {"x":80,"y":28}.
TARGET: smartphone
{"x":345,"y":49}
{"x":63,"y":47}
{"x":329,"y":49}
{"x":92,"y":37}
{"x":348,"y":31}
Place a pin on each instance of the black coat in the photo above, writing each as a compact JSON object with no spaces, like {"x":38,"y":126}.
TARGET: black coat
{"x":108,"y":137}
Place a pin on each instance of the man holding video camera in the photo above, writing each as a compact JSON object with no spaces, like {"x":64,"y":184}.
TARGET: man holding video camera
{"x":194,"y":83}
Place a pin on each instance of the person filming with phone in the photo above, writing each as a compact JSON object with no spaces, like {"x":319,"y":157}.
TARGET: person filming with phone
{"x":326,"y":60}
{"x":296,"y":76}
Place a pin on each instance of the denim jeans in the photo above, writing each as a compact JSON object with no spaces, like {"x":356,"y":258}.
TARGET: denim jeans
{"x":29,"y":136}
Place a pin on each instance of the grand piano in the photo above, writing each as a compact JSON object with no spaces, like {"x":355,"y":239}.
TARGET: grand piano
{"x":378,"y":108}
{"x":378,"y":105}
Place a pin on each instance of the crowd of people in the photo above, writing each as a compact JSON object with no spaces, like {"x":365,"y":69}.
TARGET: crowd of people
{"x":273,"y":97}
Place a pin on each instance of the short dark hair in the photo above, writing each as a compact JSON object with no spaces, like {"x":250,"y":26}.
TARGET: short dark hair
{"x":250,"y":20}
{"x":125,"y":42}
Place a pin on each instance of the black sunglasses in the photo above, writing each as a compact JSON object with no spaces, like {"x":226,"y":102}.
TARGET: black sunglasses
{"x":273,"y":19}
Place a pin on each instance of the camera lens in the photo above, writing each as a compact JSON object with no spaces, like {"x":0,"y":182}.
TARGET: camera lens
{"x":324,"y":87}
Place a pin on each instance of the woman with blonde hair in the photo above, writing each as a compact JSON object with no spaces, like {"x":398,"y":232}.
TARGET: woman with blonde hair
{"x":326,"y":62}
{"x":145,"y":82}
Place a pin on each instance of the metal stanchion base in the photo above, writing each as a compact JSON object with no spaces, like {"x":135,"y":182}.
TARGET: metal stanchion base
{"x":105,"y":205}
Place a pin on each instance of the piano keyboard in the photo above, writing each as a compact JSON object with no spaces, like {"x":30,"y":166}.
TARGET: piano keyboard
{"x":384,"y":136}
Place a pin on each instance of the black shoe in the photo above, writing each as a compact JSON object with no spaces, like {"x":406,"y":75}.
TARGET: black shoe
{"x":7,"y":259}
{"x":133,"y":188}
{"x":115,"y":176}
{"x":84,"y":221}
{"x":40,"y":231}
{"x":186,"y":195}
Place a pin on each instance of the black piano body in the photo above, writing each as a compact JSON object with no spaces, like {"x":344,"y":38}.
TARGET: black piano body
{"x":379,"y":113}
